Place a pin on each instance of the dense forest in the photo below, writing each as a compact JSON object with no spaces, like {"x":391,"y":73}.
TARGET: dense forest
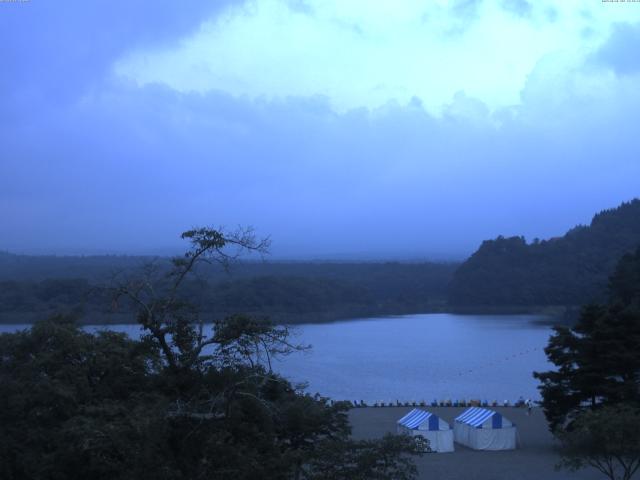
{"x":180,"y":403}
{"x":568,"y":270}
{"x":287,"y":292}
{"x":595,"y":379}
{"x":502,"y":275}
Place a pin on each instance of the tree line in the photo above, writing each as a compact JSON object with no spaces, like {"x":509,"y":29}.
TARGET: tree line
{"x":568,"y":270}
{"x":286,"y":292}
{"x":592,"y":398}
{"x":183,"y":402}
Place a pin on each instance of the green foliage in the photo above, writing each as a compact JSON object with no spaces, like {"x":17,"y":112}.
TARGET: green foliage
{"x":570,"y":270}
{"x":624,"y":283}
{"x":181,"y":403}
{"x":598,"y":360}
{"x":592,"y":400}
{"x":607,"y":439}
{"x":287,"y":295}
{"x":71,"y":401}
{"x":364,"y":460}
{"x":286,"y":292}
{"x":75,"y":405}
{"x":422,"y":443}
{"x":47,"y":294}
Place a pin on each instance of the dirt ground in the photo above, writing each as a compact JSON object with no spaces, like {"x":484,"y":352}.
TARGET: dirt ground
{"x":534,"y":459}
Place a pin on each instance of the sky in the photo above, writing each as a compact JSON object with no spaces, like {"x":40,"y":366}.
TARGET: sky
{"x":342,"y":129}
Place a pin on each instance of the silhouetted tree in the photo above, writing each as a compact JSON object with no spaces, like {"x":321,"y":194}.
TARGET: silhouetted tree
{"x":181,"y":403}
{"x":607,"y":439}
{"x":592,"y":400}
{"x":598,"y":360}
{"x":173,"y":323}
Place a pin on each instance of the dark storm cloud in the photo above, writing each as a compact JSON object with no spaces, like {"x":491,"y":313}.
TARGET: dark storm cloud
{"x":92,"y":163}
{"x":129,"y":168}
{"x":52,"y":51}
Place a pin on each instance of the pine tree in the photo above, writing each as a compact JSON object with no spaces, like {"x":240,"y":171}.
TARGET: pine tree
{"x":598,"y":360}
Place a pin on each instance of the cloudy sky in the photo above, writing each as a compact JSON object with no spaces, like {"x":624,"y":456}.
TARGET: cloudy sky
{"x":341,"y":128}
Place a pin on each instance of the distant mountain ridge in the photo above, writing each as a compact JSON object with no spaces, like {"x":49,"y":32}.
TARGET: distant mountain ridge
{"x":568,"y":270}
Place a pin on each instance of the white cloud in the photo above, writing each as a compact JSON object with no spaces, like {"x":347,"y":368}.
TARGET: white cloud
{"x":476,"y":122}
{"x":364,"y":54}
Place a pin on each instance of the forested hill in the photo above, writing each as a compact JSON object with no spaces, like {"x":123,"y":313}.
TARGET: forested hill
{"x":568,"y":270}
{"x":292,"y":292}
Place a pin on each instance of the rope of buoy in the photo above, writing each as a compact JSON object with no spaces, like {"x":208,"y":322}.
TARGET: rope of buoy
{"x":497,"y":362}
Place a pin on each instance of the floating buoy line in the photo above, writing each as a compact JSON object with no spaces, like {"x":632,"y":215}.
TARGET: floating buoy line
{"x":500,"y":361}
{"x":457,"y":403}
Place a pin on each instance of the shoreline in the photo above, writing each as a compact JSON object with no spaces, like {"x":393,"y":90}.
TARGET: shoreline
{"x":554,"y":315}
{"x":534,"y":459}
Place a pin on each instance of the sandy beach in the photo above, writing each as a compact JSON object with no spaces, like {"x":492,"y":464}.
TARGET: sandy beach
{"x":533,"y":460}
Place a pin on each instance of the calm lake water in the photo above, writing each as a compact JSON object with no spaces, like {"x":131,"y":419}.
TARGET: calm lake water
{"x":414,"y":357}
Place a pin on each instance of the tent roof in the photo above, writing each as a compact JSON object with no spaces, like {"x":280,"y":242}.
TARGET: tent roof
{"x":415,"y":418}
{"x":475,"y":416}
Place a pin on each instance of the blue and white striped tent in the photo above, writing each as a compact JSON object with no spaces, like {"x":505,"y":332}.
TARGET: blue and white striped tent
{"x":484,"y":429}
{"x":476,"y":417}
{"x":430,"y":426}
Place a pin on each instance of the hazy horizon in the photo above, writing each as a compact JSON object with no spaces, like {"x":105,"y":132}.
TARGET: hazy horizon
{"x":281,"y":255}
{"x":342,"y":130}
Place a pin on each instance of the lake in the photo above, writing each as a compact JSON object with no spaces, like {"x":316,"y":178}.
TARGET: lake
{"x":414,"y":357}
